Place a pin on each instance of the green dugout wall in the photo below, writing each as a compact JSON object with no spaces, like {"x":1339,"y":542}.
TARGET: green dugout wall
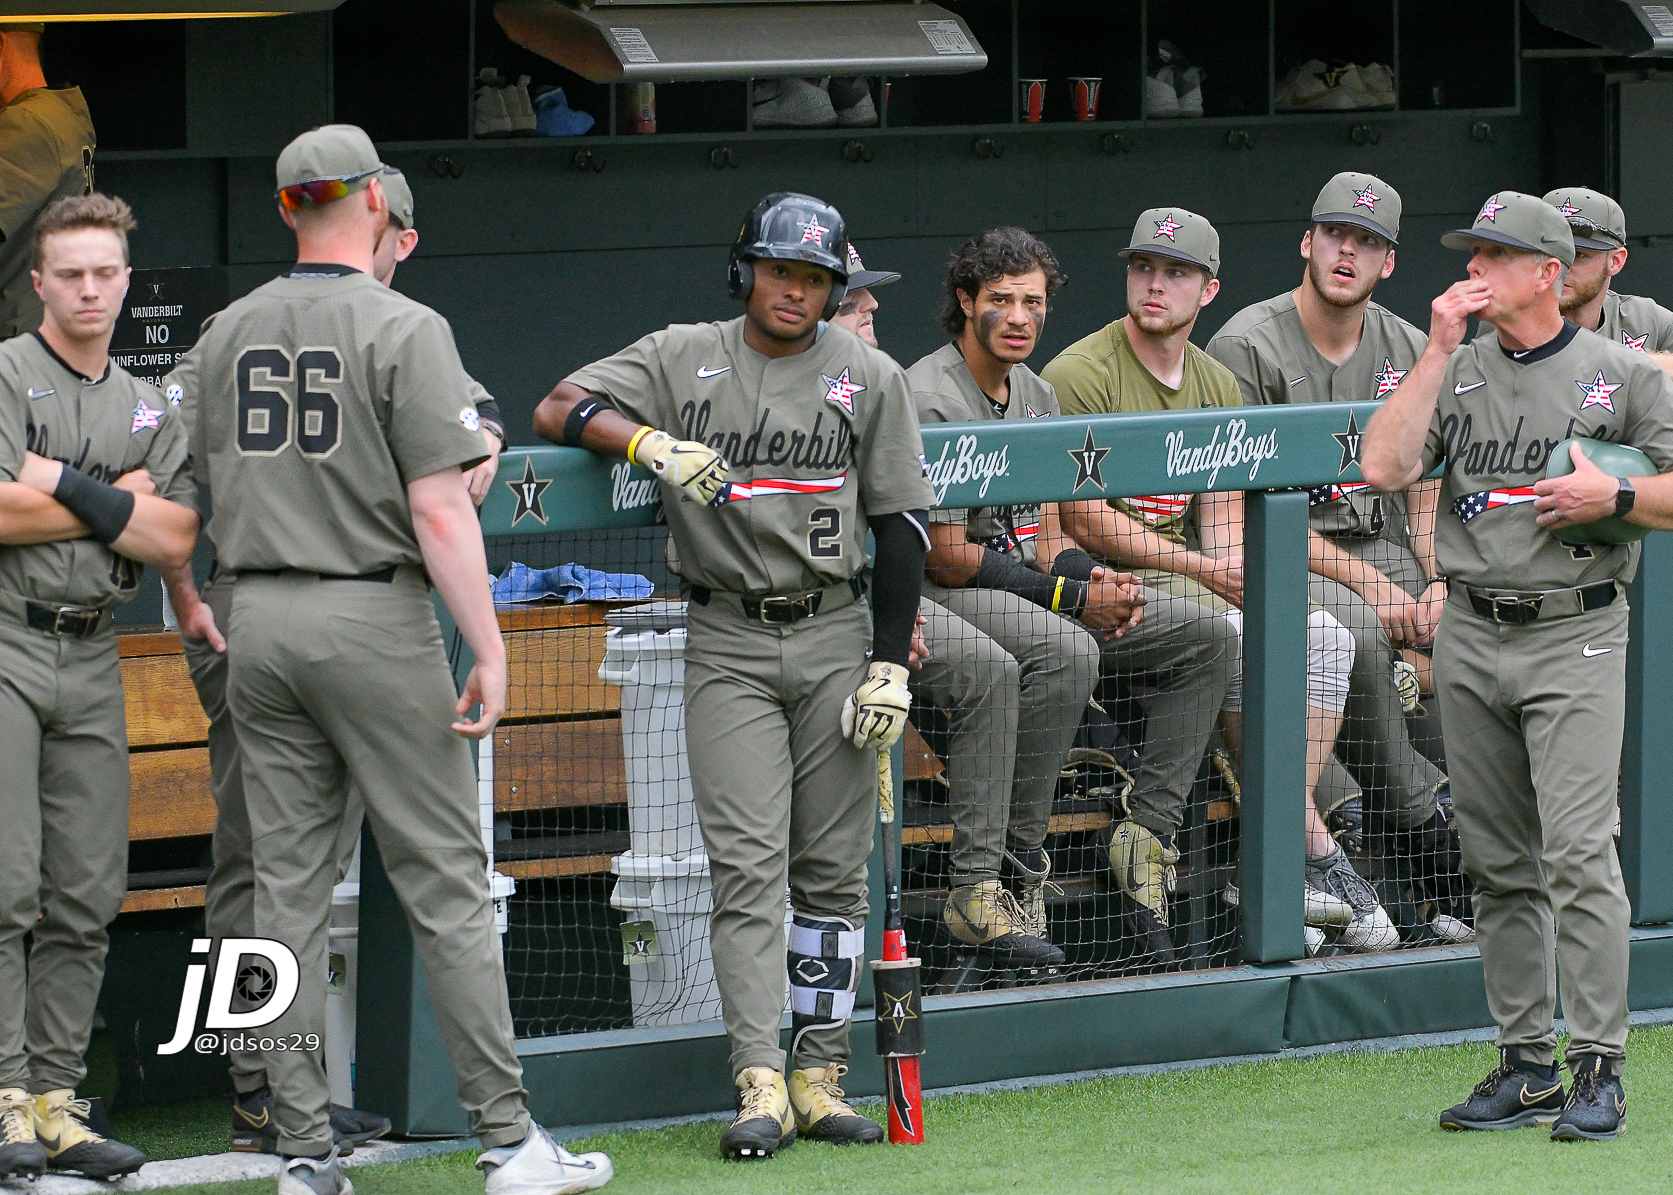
{"x":1278,"y":998}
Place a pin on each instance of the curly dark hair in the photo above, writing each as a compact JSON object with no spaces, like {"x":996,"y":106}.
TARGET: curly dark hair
{"x":994,"y":254}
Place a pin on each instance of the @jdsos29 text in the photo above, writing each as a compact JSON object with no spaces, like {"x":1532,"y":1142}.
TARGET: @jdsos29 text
{"x":258,"y":973}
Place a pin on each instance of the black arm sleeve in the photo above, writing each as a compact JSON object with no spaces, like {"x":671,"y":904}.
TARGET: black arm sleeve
{"x":488,"y":411}
{"x":999,"y":571}
{"x":897,"y":578}
{"x":104,"y":508}
{"x":1073,"y":562}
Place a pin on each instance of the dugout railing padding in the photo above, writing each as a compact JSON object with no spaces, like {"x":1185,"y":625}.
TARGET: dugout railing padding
{"x":1276,"y":999}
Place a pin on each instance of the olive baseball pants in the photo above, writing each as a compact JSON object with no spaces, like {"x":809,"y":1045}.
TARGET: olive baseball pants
{"x":332,"y":681}
{"x":1535,"y":714}
{"x":783,"y":799}
{"x":1013,"y":680}
{"x":229,"y":903}
{"x":64,"y":849}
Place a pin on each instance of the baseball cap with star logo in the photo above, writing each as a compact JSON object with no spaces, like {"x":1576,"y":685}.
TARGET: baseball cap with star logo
{"x":1179,"y":234}
{"x":860,"y":278}
{"x":1597,"y":220}
{"x":1521,"y":221}
{"x":1362,"y":200}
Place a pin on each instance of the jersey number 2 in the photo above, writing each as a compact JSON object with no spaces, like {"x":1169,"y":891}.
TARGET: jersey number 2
{"x":824,"y":537}
{"x":268,"y":395}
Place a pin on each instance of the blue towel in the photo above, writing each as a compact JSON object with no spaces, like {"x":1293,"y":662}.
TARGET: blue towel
{"x":567,"y":582}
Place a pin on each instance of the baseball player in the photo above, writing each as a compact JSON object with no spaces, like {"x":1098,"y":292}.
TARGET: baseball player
{"x":46,"y":152}
{"x":1600,"y":252}
{"x":1530,"y":660}
{"x":330,"y":425}
{"x":229,"y":898}
{"x":858,"y":303}
{"x":779,"y":447}
{"x":978,"y":684}
{"x":1012,"y":671}
{"x":1145,"y":362}
{"x":93,"y":485}
{"x":1326,"y":341}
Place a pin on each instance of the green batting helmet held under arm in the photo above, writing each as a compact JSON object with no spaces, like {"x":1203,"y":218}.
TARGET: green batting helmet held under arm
{"x":1618,"y":460}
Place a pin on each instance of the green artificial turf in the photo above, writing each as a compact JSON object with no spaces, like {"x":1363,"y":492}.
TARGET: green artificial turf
{"x":1351,"y":1123}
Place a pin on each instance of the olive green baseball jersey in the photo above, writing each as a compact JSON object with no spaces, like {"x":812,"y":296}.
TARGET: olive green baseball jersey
{"x":46,"y":150}
{"x":104,"y":427}
{"x":1268,"y":351}
{"x":1101,"y":374}
{"x":816,"y":443}
{"x":945,"y":392}
{"x":1496,"y":423}
{"x":1637,"y":323}
{"x":313,"y":402}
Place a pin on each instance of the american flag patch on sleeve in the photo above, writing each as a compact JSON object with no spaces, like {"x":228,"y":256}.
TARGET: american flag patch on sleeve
{"x":1471,"y":505}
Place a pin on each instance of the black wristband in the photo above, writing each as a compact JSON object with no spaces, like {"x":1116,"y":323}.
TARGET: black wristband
{"x":104,"y":508}
{"x":1072,"y":562}
{"x":488,"y":413}
{"x":581,"y":414}
{"x":999,"y":571}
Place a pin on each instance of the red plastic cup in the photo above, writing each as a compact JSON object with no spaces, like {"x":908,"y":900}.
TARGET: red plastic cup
{"x":1031,"y":100}
{"x":1084,"y":92}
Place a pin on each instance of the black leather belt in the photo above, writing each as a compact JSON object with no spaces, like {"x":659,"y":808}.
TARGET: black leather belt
{"x":1519,"y":609}
{"x":75,"y":621}
{"x":776,"y":609}
{"x":382,"y":576}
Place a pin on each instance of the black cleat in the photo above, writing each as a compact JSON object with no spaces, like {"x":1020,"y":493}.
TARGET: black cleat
{"x":255,"y":1131}
{"x":1597,"y":1103}
{"x":1515,"y":1094}
{"x":72,"y":1147}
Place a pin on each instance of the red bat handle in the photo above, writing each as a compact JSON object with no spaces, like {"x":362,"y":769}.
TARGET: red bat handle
{"x":906,"y":1102}
{"x":894,"y":945}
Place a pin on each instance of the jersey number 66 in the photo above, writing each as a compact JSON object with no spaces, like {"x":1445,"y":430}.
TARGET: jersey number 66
{"x":274,"y":408}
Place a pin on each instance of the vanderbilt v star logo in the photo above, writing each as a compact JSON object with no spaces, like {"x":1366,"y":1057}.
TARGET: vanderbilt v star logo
{"x":528,"y":489}
{"x":1349,"y":440}
{"x":1089,"y":463}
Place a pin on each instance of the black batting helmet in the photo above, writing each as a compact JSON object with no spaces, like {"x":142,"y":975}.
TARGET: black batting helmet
{"x":788,"y":226}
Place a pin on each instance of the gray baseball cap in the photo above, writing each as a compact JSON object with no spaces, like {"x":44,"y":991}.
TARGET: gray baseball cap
{"x":1179,"y":234}
{"x":860,"y":278}
{"x":1521,"y":221}
{"x":1362,"y":200}
{"x":399,"y":194}
{"x":1597,"y":220}
{"x":329,"y":151}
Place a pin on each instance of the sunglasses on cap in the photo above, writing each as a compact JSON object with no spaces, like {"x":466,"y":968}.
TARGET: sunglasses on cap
{"x":321,"y":191}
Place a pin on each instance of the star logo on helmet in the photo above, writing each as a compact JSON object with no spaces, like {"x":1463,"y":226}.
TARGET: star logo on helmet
{"x":1569,"y":210}
{"x":813,"y":231}
{"x":841,"y":391}
{"x":1597,"y":393}
{"x":1635,"y":343}
{"x":1489,"y":210}
{"x":1389,"y":378}
{"x":1167,"y":226}
{"x":1366,"y":198}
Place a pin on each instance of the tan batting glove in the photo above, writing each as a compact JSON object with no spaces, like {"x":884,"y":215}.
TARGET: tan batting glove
{"x":875,"y":715}
{"x":696,"y":468}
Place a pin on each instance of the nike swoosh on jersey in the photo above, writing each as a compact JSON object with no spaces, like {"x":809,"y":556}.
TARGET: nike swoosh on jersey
{"x":1588,"y":651}
{"x":1298,"y":381}
{"x":34,"y":393}
{"x":1460,"y":388}
{"x":704,"y":371}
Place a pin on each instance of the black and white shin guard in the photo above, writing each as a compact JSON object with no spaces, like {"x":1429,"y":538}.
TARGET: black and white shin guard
{"x":824,"y":959}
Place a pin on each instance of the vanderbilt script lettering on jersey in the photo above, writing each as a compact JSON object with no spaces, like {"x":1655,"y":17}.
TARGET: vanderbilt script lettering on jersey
{"x":39,"y":441}
{"x":819,"y":448}
{"x":628,"y":492}
{"x":1473,"y":457}
{"x":1236,"y":450}
{"x":966,"y":466}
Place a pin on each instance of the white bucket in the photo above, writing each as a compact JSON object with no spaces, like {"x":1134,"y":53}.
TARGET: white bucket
{"x":650,"y":668}
{"x":343,"y":973}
